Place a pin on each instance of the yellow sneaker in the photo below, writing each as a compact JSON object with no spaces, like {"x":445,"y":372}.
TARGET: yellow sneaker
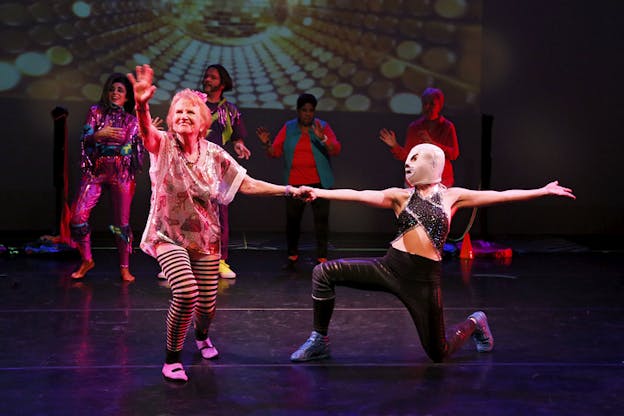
{"x":225,"y":271}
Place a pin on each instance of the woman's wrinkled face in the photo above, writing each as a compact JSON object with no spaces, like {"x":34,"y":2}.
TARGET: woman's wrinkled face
{"x":186,"y":120}
{"x":117,"y":94}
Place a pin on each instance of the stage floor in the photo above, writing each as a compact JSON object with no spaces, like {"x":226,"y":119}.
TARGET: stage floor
{"x":96,"y":347}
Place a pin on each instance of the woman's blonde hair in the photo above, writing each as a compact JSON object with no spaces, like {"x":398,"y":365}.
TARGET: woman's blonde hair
{"x":198,"y":99}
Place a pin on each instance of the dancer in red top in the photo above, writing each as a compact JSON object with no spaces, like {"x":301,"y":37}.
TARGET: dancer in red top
{"x":432,"y":128}
{"x":306,"y":143}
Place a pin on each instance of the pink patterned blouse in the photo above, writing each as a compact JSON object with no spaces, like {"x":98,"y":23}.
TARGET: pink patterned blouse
{"x":186,"y":196}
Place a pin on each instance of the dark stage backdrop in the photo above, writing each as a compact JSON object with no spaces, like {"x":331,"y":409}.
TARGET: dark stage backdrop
{"x":540,"y":77}
{"x":552,"y":78}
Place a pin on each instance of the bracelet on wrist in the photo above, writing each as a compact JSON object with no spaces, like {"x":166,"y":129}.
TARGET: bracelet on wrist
{"x":288,"y":191}
{"x":142,"y":109}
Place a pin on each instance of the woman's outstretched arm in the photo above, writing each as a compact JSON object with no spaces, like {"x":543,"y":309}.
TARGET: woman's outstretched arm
{"x":466,"y":198}
{"x":387,"y":198}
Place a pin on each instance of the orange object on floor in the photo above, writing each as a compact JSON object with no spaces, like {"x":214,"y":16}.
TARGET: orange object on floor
{"x":466,"y":249}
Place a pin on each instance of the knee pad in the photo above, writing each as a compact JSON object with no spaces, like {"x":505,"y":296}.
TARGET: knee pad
{"x":322,"y":287}
{"x":79,"y":231}
{"x":124,"y":232}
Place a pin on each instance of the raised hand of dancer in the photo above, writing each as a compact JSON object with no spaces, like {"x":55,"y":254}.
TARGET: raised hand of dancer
{"x":157,"y":122}
{"x":264,"y":135}
{"x":388,"y":137}
{"x":143,"y":84}
{"x":143,"y":91}
{"x":317,"y":128}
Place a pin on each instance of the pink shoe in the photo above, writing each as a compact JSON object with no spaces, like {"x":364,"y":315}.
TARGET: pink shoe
{"x":174,"y":372}
{"x":206,"y":348}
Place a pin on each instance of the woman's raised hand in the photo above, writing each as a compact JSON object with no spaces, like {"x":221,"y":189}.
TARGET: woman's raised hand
{"x":143,"y":84}
{"x":388,"y":137}
{"x":263,"y":134}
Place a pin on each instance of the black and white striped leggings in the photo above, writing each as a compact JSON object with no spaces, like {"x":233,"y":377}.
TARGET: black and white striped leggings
{"x":193,"y":282}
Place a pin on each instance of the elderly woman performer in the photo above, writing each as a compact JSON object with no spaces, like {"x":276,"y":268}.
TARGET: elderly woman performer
{"x":411,"y":268}
{"x":190,"y":178}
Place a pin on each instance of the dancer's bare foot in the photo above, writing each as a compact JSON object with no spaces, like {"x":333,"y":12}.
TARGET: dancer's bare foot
{"x":85,"y":266}
{"x":126,"y":276}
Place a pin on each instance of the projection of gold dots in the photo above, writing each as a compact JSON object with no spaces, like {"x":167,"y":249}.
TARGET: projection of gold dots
{"x":354,"y":55}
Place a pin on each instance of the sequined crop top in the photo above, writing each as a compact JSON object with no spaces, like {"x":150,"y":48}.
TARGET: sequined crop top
{"x":427,"y":212}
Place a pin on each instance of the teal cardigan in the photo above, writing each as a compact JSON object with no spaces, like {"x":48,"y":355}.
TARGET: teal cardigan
{"x":319,"y":151}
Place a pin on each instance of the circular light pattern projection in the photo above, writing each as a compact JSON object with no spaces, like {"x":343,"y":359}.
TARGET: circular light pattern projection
{"x":10,"y":76}
{"x":354,"y":55}
{"x":33,"y":63}
{"x":81,"y":9}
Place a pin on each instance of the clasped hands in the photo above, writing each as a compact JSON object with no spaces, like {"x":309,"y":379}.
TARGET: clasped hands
{"x":304,"y":193}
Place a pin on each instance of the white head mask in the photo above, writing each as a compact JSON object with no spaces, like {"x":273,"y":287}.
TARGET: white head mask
{"x":424,"y":165}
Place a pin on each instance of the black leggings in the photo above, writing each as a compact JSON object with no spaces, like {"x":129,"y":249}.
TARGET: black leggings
{"x":294,"y":215}
{"x":415,"y":280}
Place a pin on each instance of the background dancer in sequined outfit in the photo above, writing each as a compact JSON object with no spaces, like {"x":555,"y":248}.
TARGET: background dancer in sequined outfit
{"x":112,"y":154}
{"x":411,"y":268}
